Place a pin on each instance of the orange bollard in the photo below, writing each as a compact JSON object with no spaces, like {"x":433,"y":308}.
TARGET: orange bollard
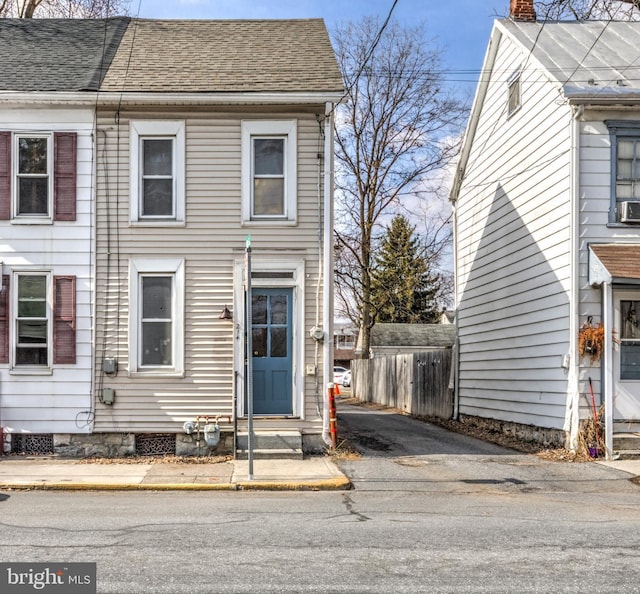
{"x":333,"y":420}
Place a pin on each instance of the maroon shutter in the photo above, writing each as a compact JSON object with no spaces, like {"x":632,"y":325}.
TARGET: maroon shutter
{"x":5,"y":175}
{"x":64,"y":171}
{"x":4,"y":320}
{"x":64,"y":320}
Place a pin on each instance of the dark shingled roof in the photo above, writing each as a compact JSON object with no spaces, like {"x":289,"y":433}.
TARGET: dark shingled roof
{"x":413,"y":335}
{"x":57,"y":54}
{"x":230,"y":56}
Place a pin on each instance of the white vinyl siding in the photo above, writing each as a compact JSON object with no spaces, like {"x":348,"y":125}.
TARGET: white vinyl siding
{"x":210,"y":242}
{"x":513,"y":234}
{"x":595,"y":190}
{"x":59,"y":401}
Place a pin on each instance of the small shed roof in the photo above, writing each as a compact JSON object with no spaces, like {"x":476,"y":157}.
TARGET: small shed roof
{"x":57,"y":54}
{"x":614,"y":263}
{"x":225,"y":56}
{"x":413,"y":335}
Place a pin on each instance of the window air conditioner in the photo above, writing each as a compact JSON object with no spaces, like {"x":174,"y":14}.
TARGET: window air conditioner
{"x":630,"y":212}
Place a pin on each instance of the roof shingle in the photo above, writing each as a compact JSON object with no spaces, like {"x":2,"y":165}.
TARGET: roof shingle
{"x":57,"y":54}
{"x":181,"y":56}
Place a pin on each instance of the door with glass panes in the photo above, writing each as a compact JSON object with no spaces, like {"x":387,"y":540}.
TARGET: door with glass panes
{"x":626,"y":356}
{"x":271,"y":327}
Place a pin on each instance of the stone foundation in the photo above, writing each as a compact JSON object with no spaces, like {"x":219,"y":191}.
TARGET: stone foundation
{"x":123,"y":445}
{"x":551,"y":438}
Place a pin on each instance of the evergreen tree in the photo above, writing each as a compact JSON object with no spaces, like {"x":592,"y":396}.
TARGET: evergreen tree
{"x":397,"y":129}
{"x":403,"y":288}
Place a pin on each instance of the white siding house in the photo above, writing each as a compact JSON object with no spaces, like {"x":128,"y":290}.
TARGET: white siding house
{"x":546,"y":199}
{"x":48,"y":78}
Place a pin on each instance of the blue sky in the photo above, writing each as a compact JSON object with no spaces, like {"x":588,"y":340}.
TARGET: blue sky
{"x":460,"y":28}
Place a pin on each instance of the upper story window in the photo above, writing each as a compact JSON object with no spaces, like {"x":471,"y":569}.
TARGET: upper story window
{"x":628,"y":168}
{"x":37,"y":176}
{"x":157,"y":172}
{"x":345,"y":341}
{"x":514,"y":98}
{"x":625,"y":172}
{"x":269,"y":171}
{"x":33,"y":176}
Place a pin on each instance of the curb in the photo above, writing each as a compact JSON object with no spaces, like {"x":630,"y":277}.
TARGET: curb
{"x":116,"y":487}
{"x":336,"y":484}
{"x":321,"y":485}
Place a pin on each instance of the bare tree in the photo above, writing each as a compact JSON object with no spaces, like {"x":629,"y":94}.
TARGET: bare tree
{"x":395,"y":128}
{"x":87,"y":9}
{"x":588,"y":9}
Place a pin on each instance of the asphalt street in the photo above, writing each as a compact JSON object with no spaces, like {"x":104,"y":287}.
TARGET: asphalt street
{"x":430,"y":511}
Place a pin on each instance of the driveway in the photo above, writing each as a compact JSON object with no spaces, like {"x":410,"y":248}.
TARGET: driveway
{"x":399,"y":452}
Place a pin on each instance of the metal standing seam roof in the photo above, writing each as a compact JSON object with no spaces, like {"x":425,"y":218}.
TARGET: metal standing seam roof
{"x":588,"y":58}
{"x":187,"y":56}
{"x":57,"y":54}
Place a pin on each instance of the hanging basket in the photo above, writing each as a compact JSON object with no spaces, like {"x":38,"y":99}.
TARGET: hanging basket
{"x":591,"y":340}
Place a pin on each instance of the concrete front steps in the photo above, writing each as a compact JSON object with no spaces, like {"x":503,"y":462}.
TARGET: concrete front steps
{"x":270,"y":445}
{"x":627,"y":445}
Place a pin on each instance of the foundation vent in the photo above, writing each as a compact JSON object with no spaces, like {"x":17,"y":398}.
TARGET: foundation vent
{"x":155,"y":444}
{"x":32,"y":443}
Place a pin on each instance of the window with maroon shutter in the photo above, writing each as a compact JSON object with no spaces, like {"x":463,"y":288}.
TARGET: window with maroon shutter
{"x":64,"y":185}
{"x":5,"y":175}
{"x":64,"y":320}
{"x":32,"y":318}
{"x":4,"y":320}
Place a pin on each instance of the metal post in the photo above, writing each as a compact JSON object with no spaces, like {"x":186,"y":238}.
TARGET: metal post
{"x":333,"y":417}
{"x":249,"y":341}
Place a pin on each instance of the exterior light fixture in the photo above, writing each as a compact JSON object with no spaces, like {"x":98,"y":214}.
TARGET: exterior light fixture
{"x":225,"y":314}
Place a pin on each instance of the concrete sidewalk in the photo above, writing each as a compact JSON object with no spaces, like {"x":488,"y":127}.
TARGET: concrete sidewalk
{"x":39,"y":472}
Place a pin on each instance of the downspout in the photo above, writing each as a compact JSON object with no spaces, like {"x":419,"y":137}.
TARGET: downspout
{"x":572,"y":363}
{"x":327,"y":264}
{"x":455,"y":355}
{"x":606,"y":379}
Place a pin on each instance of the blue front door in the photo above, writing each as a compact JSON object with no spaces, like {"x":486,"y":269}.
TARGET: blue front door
{"x":272,"y":351}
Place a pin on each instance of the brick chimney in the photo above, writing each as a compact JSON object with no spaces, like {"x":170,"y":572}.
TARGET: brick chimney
{"x":522,"y":10}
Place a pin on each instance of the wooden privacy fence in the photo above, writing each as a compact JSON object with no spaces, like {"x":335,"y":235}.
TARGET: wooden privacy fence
{"x":416,"y":383}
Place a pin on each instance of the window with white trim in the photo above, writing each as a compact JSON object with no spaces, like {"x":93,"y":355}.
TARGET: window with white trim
{"x":38,"y":176}
{"x":33,"y":175}
{"x":32,"y":329}
{"x":269,"y":171}
{"x":157,"y":320}
{"x":514,"y":99}
{"x":157,"y":172}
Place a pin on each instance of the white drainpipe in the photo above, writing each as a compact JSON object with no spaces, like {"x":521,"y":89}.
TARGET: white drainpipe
{"x":572,"y":415}
{"x":327,"y":264}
